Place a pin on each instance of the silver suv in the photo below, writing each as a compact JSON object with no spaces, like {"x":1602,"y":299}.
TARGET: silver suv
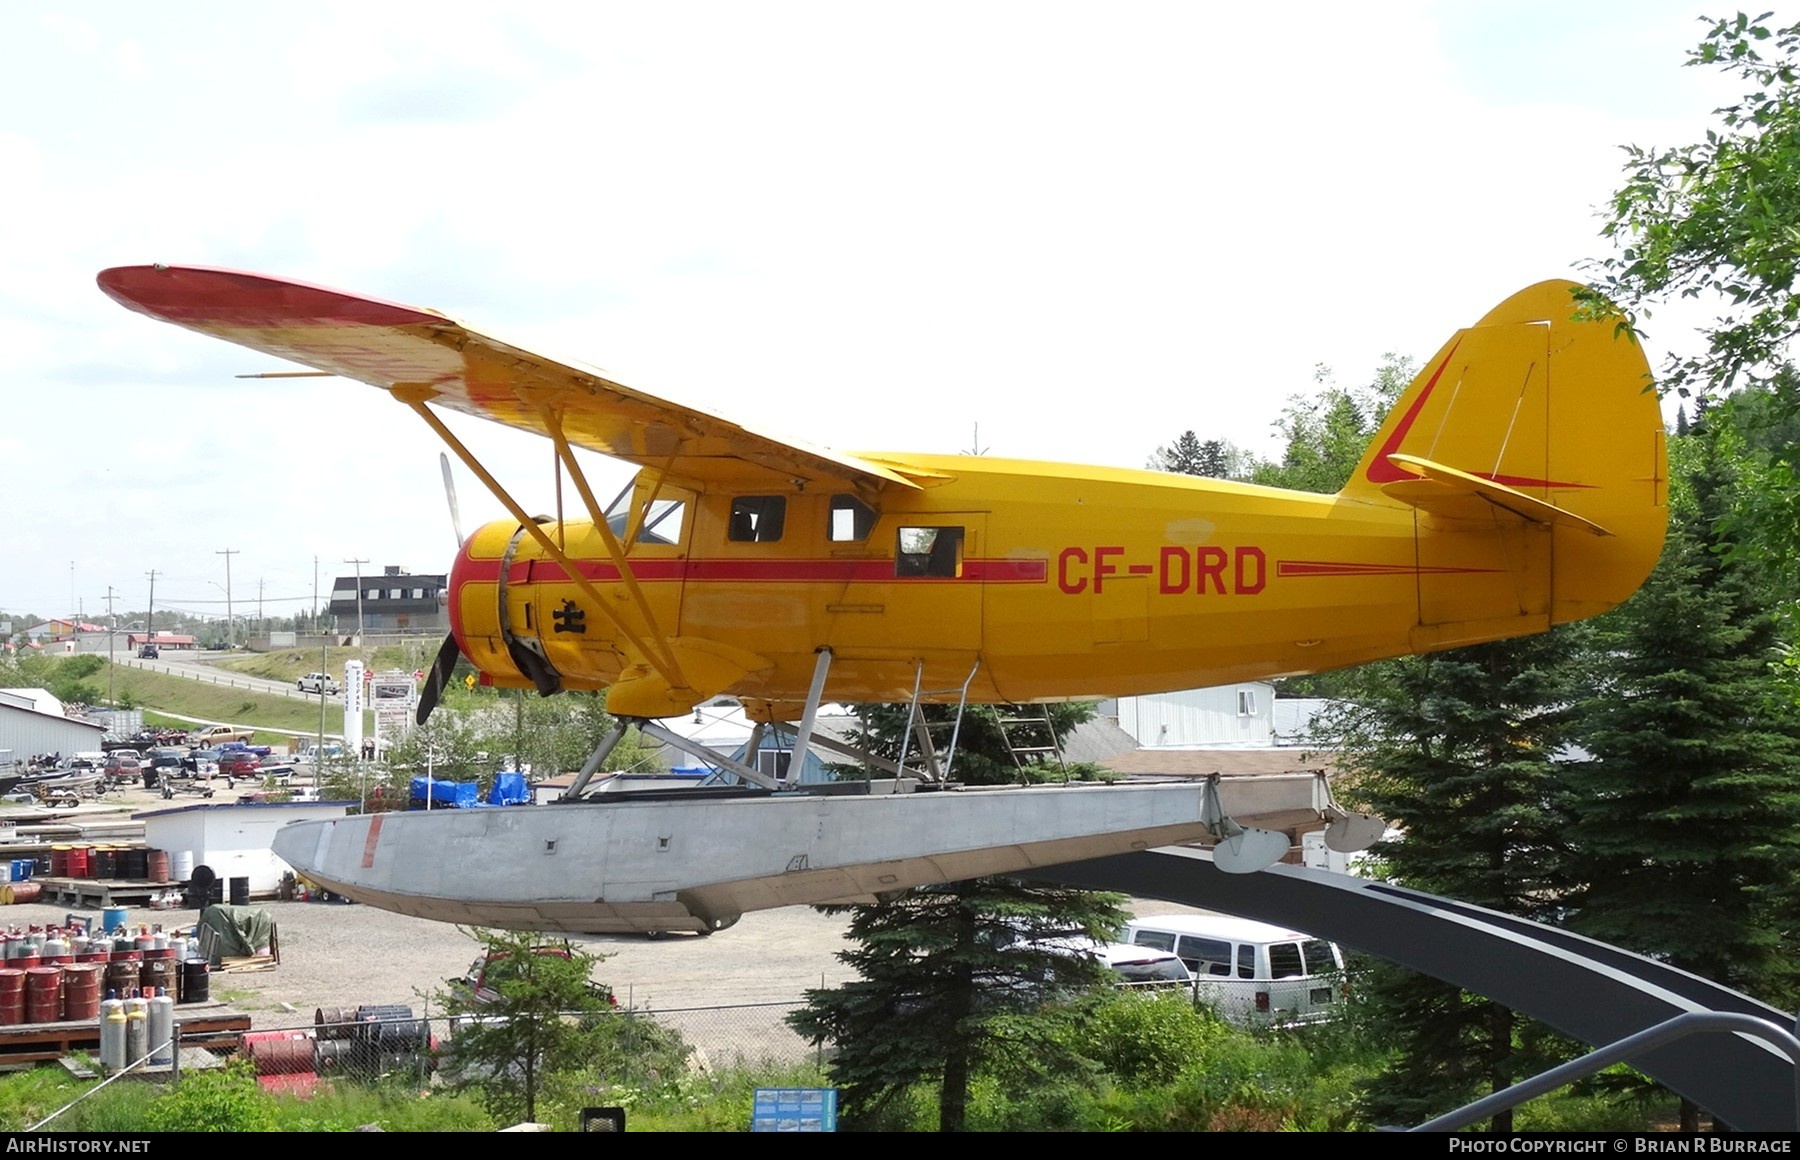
{"x":318,"y":682}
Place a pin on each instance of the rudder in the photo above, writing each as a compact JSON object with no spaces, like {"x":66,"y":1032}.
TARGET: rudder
{"x":1532,"y":450}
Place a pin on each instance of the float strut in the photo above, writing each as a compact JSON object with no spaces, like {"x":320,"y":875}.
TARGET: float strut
{"x":803,"y":738}
{"x":594,"y":760}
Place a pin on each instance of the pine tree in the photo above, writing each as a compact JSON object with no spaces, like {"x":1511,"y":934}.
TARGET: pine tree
{"x":1687,"y":818}
{"x":1455,"y":750}
{"x":1184,"y":456}
{"x":951,"y":979}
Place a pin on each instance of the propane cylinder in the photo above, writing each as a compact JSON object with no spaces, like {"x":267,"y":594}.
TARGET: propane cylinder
{"x":112,"y":1033}
{"x":162,"y":1027}
{"x":137,"y":1030}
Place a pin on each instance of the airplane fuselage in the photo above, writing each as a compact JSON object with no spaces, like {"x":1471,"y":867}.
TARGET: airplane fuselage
{"x":1060,"y":581}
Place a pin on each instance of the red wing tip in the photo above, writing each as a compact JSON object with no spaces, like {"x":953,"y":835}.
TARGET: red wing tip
{"x":199,"y":295}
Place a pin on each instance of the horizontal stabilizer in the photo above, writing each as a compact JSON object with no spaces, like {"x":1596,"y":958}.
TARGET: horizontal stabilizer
{"x":1449,"y":484}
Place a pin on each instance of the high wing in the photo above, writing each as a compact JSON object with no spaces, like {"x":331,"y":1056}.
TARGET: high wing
{"x":390,"y":346}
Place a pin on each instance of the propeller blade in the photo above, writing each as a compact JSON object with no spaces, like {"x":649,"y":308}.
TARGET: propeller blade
{"x":450,"y":494}
{"x":437,"y":679}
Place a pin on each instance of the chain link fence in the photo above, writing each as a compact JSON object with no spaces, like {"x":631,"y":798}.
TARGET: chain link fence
{"x":370,"y":1044}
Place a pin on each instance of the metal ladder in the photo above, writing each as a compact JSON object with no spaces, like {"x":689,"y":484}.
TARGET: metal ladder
{"x":1025,"y":738}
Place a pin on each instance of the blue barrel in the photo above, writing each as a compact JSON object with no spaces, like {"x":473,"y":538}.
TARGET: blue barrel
{"x":22,"y":868}
{"x":112,"y":919}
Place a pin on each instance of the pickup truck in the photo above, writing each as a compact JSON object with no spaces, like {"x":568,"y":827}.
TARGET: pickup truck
{"x":318,"y":682}
{"x":215,"y":735}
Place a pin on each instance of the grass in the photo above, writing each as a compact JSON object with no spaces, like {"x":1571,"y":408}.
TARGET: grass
{"x":269,"y":712}
{"x":288,"y":665}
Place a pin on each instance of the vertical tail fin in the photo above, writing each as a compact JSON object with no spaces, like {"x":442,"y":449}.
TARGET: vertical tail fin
{"x":1533,"y":453}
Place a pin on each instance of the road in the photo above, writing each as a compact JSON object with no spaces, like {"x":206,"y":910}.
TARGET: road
{"x":199,"y":666}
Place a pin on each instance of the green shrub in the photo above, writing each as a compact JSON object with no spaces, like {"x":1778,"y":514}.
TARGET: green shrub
{"x":1149,"y":1038}
{"x":226,"y":1099}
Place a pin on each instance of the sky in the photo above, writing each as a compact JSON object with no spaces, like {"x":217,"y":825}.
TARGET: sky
{"x":1045,"y":230}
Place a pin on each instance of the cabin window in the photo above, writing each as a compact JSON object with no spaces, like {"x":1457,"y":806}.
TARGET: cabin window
{"x":1246,"y":702}
{"x":757,"y":519}
{"x":929,"y":552}
{"x":1205,"y":956}
{"x":1285,"y":961}
{"x":1155,"y":939}
{"x":851,"y":519}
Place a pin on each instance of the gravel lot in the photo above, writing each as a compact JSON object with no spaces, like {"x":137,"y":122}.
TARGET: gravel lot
{"x":339,"y":955}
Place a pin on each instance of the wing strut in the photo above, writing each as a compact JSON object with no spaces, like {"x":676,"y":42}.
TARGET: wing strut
{"x":414,"y":396}
{"x":553,"y":424}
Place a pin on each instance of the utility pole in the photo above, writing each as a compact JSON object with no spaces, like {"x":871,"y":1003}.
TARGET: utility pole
{"x":230,"y":635}
{"x":259,"y":602}
{"x":111,"y":625}
{"x":150,"y":617}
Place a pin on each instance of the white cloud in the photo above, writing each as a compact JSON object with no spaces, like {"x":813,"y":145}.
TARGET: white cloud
{"x":1085,"y":228}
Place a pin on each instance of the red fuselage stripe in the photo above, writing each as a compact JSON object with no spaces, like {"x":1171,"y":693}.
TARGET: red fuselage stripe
{"x":756,"y":571}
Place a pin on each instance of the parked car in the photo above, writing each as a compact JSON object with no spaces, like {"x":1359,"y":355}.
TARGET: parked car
{"x":202,"y":762}
{"x":123,"y":765}
{"x":163,"y":761}
{"x":1136,"y":966}
{"x":237,"y":763}
{"x":219,"y":734}
{"x":1253,"y":973}
{"x":317,"y":682}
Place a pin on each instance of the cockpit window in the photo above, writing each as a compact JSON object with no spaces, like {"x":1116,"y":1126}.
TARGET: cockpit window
{"x":663,"y":526}
{"x":928,"y":552}
{"x":851,"y":519}
{"x":757,"y":519}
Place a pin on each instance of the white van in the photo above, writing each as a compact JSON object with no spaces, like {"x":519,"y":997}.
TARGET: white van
{"x":1253,"y":973}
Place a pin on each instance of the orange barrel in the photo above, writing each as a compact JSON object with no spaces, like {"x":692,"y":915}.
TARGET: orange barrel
{"x":94,"y":955}
{"x":279,"y":1052}
{"x":81,"y":991}
{"x":157,"y":973}
{"x":158,"y":866}
{"x":59,"y":861}
{"x":23,"y":892}
{"x":78,"y":863}
{"x":43,"y":994}
{"x":12,"y":997}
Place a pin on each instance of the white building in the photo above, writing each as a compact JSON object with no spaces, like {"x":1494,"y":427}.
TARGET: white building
{"x":32,"y":722}
{"x":233,"y":840}
{"x":1240,"y":714}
